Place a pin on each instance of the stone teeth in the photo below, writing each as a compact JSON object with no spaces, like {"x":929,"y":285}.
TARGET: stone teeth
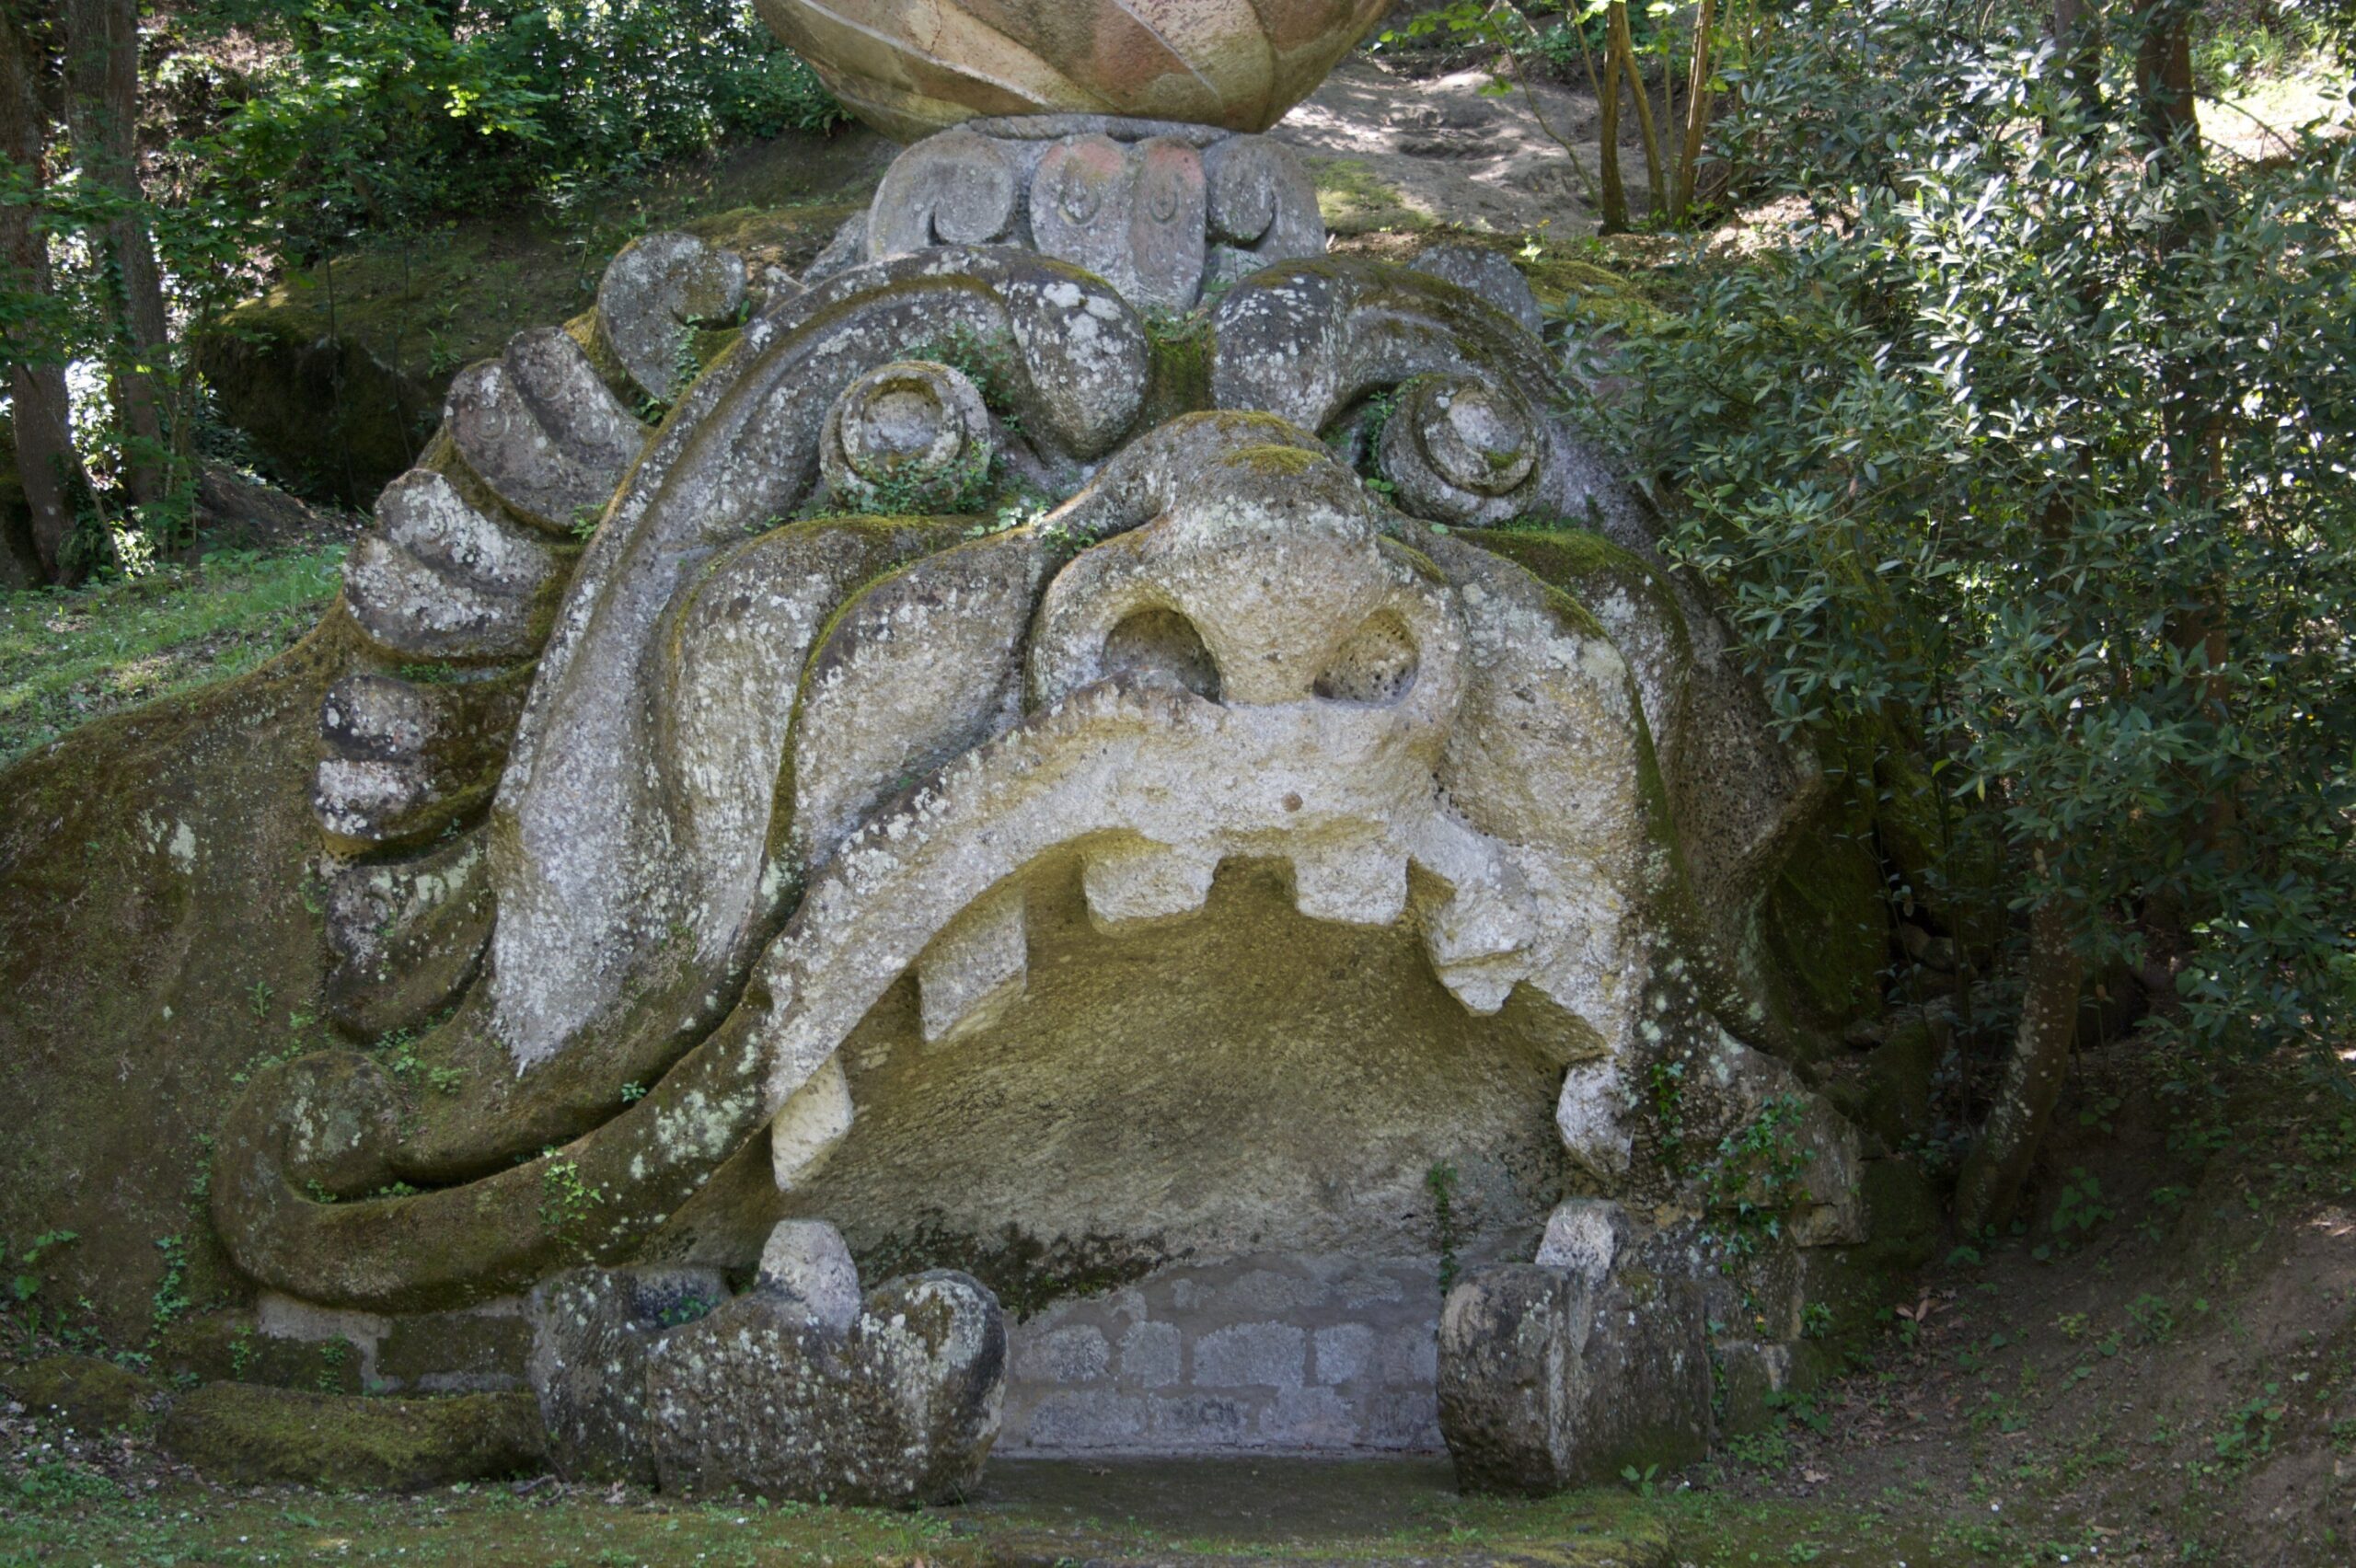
{"x":1137,"y":879}
{"x":1358,"y":882}
{"x":808,"y":1126}
{"x":974,"y":969}
{"x":1483,"y":986}
{"x":1479,"y":942}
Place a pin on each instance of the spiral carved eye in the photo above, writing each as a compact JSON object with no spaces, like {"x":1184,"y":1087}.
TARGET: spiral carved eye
{"x":907,"y":436}
{"x":1457,"y":448}
{"x":1375,"y":664}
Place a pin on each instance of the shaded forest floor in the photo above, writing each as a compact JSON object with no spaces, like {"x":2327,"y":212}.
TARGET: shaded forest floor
{"x":2159,"y":1365}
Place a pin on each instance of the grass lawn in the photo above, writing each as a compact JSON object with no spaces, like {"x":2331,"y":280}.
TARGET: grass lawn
{"x":69,"y":657}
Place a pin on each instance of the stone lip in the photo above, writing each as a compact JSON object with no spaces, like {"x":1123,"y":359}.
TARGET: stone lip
{"x":912,"y":66}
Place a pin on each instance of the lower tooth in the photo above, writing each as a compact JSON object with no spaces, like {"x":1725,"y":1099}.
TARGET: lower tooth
{"x":974,"y":969}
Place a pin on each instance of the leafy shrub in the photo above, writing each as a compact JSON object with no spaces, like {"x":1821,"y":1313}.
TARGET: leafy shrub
{"x":2033,"y":450}
{"x":384,"y":111}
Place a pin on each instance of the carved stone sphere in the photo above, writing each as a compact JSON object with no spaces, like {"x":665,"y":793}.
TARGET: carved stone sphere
{"x":910,"y":67}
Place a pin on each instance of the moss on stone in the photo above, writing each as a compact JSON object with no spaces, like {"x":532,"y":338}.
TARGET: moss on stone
{"x":87,"y":1394}
{"x":1826,"y":919}
{"x":231,"y":1347}
{"x":248,"y":1435}
{"x":160,"y":939}
{"x":1179,"y":381}
{"x":1276,"y":462}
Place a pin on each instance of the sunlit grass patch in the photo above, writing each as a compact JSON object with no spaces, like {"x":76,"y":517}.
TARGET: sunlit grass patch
{"x":69,"y":657}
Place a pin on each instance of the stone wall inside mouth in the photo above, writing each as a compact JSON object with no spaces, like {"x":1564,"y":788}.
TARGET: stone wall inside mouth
{"x":1198,"y":1164}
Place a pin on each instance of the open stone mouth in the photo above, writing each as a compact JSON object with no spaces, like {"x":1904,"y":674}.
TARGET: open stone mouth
{"x":792,"y":808}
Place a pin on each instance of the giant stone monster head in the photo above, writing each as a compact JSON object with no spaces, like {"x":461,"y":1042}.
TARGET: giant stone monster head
{"x":1094,"y":745}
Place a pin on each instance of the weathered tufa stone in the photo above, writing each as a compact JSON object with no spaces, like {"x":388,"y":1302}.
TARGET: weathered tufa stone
{"x":1133,"y":215}
{"x":1462,"y":449}
{"x":406,"y":935}
{"x":1548,"y":1381}
{"x":953,"y":189}
{"x":907,"y":437}
{"x":653,"y":295}
{"x":899,"y":1408}
{"x":406,"y":758}
{"x":1487,"y":274}
{"x":806,"y":1261}
{"x":908,"y":69}
{"x":592,"y":1331}
{"x":1584,"y":1237}
{"x":1157,"y":210}
{"x":248,"y":1434}
{"x":543,"y":431}
{"x":438,"y":579}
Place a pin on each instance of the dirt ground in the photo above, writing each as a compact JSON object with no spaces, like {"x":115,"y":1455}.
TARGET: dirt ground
{"x":2158,"y":1366}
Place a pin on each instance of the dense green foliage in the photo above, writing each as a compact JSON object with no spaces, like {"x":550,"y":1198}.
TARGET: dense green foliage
{"x":379,"y":111}
{"x":2029,"y":452}
{"x":275,"y":132}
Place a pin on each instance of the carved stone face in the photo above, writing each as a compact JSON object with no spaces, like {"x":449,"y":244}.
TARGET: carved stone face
{"x":1148,"y":903}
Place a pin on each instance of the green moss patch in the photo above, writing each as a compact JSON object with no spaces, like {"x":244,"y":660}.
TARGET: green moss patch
{"x":1352,"y":199}
{"x":250,"y":1434}
{"x":87,"y":1393}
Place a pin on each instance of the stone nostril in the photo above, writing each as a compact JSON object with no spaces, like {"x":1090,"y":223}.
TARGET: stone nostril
{"x":1161,"y":644}
{"x":1375,"y":665}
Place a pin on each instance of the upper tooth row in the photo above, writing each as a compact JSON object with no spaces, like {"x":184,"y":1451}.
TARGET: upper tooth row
{"x":1478,"y":939}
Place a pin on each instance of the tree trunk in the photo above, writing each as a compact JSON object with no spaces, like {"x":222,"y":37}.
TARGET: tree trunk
{"x":1607,"y":97}
{"x":1990,"y":1188}
{"x":47,"y":465}
{"x":1697,"y":111}
{"x":2164,"y":76}
{"x":1623,"y":48}
{"x":102,"y":113}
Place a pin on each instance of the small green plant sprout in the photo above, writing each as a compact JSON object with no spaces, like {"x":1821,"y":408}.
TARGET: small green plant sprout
{"x":258,"y":999}
{"x":632,"y":1093}
{"x":2079,"y":1207}
{"x":2154,"y":1317}
{"x":1816,"y":1321}
{"x":2247,"y":1435}
{"x":567,"y":1199}
{"x":1758,"y":1175}
{"x":585,"y":520}
{"x":1020,"y":510}
{"x":687,"y":1308}
{"x":24,"y":1283}
{"x":1639,"y":1482}
{"x":1440,"y":1183}
{"x":171,"y":1295}
{"x":2072,"y":1326}
{"x":1912,"y":1320}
